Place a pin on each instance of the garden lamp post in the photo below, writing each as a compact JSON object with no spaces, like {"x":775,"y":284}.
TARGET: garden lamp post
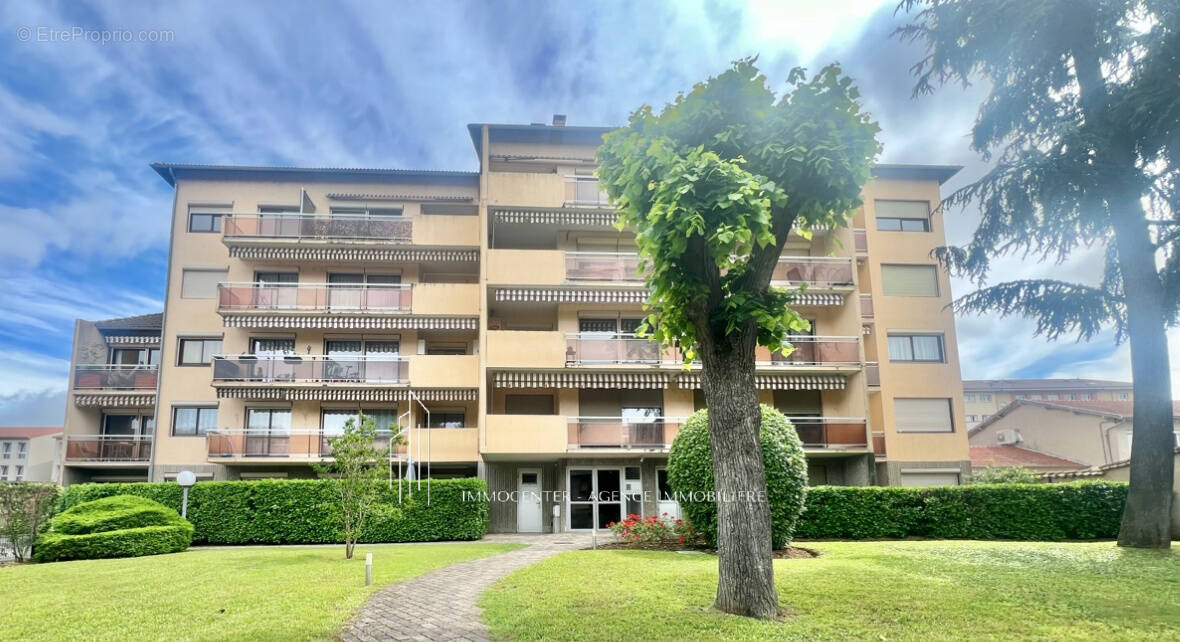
{"x":187,"y":480}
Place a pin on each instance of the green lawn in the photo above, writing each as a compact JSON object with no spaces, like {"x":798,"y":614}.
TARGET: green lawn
{"x":289,"y":593}
{"x":855,"y":591}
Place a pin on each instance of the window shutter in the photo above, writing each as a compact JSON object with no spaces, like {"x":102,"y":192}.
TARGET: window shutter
{"x":923,"y":415}
{"x":909,"y":280}
{"x":903,"y":209}
{"x":201,"y":284}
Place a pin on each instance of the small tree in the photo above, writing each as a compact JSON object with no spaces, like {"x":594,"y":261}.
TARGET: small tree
{"x":713,"y":186}
{"x":25,"y":509}
{"x":1004,"y":475}
{"x":357,"y":468}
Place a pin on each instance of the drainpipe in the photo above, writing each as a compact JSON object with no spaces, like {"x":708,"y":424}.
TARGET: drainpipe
{"x":163,"y":333}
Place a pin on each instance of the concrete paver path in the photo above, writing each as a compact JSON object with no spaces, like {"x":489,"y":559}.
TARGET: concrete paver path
{"x":441,"y":606}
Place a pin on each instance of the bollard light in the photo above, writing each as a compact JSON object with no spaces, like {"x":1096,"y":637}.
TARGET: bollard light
{"x":186,"y":479}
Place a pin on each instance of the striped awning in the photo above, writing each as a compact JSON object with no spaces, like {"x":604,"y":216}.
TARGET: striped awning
{"x":115,"y":400}
{"x":278,"y":393}
{"x":351,"y":196}
{"x":810,"y":300}
{"x":632,"y":380}
{"x":142,"y":339}
{"x":556,"y":216}
{"x":569,"y":295}
{"x":363,"y":254}
{"x":692,"y":381}
{"x":350,"y":323}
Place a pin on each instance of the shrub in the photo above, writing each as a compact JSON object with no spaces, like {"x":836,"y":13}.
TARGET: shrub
{"x":25,"y":509}
{"x":304,"y":511}
{"x":653,"y":529}
{"x":690,"y":473}
{"x":118,"y":526}
{"x":1039,"y":512}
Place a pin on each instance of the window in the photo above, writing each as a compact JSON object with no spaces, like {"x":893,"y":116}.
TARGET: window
{"x":528,"y":405}
{"x":1124,"y":396}
{"x":1087,"y":396}
{"x":916,"y":347}
{"x":923,"y":415}
{"x":128,"y":425}
{"x":200,"y":283}
{"x":135,"y":356}
{"x":1034,"y":397}
{"x":205,"y":218}
{"x":448,"y":419}
{"x":23,"y":450}
{"x":972,"y":418}
{"x":433,"y":347}
{"x":985,"y":396}
{"x":909,"y":280}
{"x":1051,"y":397}
{"x":273,"y":420}
{"x":198,"y":352}
{"x":969,"y":398}
{"x":264,"y":347}
{"x":333,"y":420}
{"x":3,"y":473}
{"x":7,"y":450}
{"x":903,"y":216}
{"x":193,"y":421}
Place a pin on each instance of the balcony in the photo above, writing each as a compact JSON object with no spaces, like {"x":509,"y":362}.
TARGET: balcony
{"x":584,"y":191}
{"x":598,"y":348}
{"x":289,"y":444}
{"x":108,"y":448}
{"x":115,"y":377}
{"x":831,"y":433}
{"x":318,"y":228}
{"x":588,"y":433}
{"x":879,"y":444}
{"x":514,"y":435}
{"x":310,"y":369}
{"x":344,"y":299}
{"x":816,"y":351}
{"x":873,"y":376}
{"x":602,"y":266}
{"x":866,"y":308}
{"x":816,"y":272}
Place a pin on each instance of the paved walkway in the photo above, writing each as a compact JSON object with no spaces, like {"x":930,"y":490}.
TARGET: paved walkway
{"x":441,"y":606}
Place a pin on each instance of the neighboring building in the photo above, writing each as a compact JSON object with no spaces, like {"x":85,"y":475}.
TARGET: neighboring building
{"x":29,"y":454}
{"x":111,"y":407}
{"x":1121,"y":471}
{"x":504,"y":302}
{"x":1016,"y":457}
{"x":1091,"y":433}
{"x":984,"y":397}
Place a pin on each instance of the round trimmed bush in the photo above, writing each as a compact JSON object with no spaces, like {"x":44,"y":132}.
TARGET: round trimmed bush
{"x":690,"y":473}
{"x":119,"y":526}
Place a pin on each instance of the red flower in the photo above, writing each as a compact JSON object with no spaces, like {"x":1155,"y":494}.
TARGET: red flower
{"x":681,"y":539}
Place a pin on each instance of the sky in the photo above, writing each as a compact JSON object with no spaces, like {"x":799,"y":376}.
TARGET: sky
{"x":84,"y":220}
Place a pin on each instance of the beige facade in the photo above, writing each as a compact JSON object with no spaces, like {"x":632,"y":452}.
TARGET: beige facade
{"x":503,"y":302}
{"x":985,"y":397}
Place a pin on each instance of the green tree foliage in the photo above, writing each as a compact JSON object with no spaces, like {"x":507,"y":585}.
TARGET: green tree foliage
{"x":713,"y":185}
{"x":690,"y":473}
{"x":1004,"y":475}
{"x":357,"y":467}
{"x":25,"y":509}
{"x":1082,"y":120}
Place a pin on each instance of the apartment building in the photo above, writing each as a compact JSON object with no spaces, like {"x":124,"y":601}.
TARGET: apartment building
{"x":29,"y":454}
{"x":986,"y":397}
{"x":494,"y":312}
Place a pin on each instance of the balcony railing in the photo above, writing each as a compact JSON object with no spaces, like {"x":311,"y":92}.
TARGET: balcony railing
{"x":604,"y":348}
{"x":602,"y":266}
{"x":289,"y":444}
{"x":879,"y":444}
{"x":317,"y":227}
{"x":310,"y":369}
{"x":315,"y":297}
{"x":110,"y":448}
{"x":584,"y":191}
{"x":621,"y":432}
{"x":815,"y":271}
{"x":820,"y":351}
{"x":831,"y":432}
{"x":860,"y":241}
{"x":115,"y":377}
{"x":866,"y":307}
{"x":873,"y":375}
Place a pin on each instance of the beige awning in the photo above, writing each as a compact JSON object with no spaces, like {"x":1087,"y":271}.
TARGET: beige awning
{"x":350,"y":323}
{"x":349,"y":254}
{"x":570,"y":295}
{"x":692,"y":381}
{"x":632,"y":380}
{"x":115,"y":400}
{"x":329,"y":393}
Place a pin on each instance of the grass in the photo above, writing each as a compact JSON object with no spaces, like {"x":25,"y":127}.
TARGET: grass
{"x":288,"y":593}
{"x":855,"y":591}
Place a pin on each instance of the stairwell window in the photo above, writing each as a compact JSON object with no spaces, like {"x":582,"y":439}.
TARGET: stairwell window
{"x":903,"y":216}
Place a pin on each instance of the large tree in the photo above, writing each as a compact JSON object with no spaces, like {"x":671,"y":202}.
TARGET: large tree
{"x":1083,"y":121}
{"x":713,"y":186}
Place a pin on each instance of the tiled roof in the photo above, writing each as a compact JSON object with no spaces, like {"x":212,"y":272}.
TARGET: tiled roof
{"x":141,"y":322}
{"x":25,"y":432}
{"x":1121,"y":410}
{"x":1042,"y":384}
{"x":1094,"y":472}
{"x":1008,"y":456}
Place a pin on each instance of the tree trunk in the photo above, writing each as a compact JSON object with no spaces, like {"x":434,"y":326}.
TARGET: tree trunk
{"x":746,"y":571}
{"x":1147,"y":516}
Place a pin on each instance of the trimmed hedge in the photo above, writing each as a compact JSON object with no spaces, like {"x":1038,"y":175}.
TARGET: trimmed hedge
{"x":118,"y":526}
{"x":1038,"y":512}
{"x":690,"y":473}
{"x":306,"y":511}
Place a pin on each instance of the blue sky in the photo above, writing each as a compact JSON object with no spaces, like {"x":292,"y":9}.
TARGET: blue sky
{"x":83,"y":220}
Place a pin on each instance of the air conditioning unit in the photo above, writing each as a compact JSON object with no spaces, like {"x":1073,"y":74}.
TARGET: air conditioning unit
{"x":1007,"y":437}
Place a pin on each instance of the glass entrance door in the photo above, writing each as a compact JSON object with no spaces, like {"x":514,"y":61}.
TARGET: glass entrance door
{"x":596,"y":497}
